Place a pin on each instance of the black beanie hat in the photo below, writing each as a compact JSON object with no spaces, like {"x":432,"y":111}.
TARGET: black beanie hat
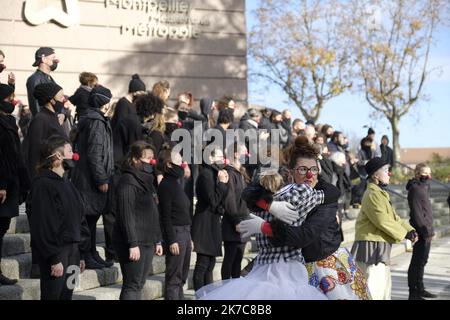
{"x":99,"y":96}
{"x":371,"y":131}
{"x":5,"y":91}
{"x":45,"y":92}
{"x":136,"y":84}
{"x":373,"y":165}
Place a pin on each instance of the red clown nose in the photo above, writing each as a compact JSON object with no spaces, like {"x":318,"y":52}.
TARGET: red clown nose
{"x":179,"y":124}
{"x":226,"y":162}
{"x":390,"y":174}
{"x":76,"y":157}
{"x":309,"y":175}
{"x":153,"y":162}
{"x":184,"y":165}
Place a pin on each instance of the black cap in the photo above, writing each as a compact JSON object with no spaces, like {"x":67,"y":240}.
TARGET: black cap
{"x":373,"y":165}
{"x":136,"y":84}
{"x":5,"y":91}
{"x":43,"y":51}
{"x":371,"y":131}
{"x":45,"y":92}
{"x":99,"y":96}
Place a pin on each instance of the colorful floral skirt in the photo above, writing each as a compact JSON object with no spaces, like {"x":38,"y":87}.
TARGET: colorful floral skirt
{"x":338,"y":277}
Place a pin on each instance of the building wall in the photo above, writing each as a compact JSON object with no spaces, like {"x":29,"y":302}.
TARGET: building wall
{"x":213,"y":64}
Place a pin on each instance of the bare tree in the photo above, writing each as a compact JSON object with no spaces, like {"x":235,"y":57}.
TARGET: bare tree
{"x":295,"y":44}
{"x":392,"y":40}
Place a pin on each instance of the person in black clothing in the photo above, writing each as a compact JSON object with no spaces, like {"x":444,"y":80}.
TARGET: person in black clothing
{"x":137,"y":231}
{"x":150,"y":110}
{"x":421,"y":219}
{"x":206,"y":227}
{"x":14,"y":180}
{"x":387,"y":154}
{"x":224,"y":122}
{"x":125,"y":105}
{"x":235,"y":212}
{"x":93,"y":173}
{"x":45,"y":123}
{"x":80,"y":98}
{"x":59,"y":233}
{"x":176,"y":224}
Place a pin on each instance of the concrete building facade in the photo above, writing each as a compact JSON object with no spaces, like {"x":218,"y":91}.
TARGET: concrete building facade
{"x":197,"y":45}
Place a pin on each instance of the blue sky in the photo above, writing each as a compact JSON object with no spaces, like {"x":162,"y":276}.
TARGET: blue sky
{"x":428,"y":125}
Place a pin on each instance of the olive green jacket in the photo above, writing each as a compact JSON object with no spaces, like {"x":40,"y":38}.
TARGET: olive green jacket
{"x":377,"y":220}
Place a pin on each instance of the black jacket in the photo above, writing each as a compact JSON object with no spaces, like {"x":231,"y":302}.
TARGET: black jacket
{"x":206,"y":226}
{"x":235,"y":207}
{"x":80,"y":100}
{"x":13,"y":173}
{"x":327,"y":170}
{"x":319,"y":236}
{"x":38,"y":77}
{"x":421,"y":212}
{"x":43,"y":125}
{"x":57,"y":217}
{"x":387,"y":154}
{"x":174,"y":207}
{"x":125,"y":133}
{"x":137,"y":215}
{"x":123,"y":108}
{"x":96,"y":165}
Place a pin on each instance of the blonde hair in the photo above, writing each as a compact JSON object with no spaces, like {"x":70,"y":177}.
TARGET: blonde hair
{"x":271,"y":181}
{"x":158,"y":123}
{"x":160,"y":89}
{"x":169,"y":114}
{"x":419,"y":168}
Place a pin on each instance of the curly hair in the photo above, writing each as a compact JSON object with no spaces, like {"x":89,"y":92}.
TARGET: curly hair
{"x":148,"y":105}
{"x":301,"y":148}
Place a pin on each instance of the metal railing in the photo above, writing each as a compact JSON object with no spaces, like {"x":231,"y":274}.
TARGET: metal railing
{"x":440,"y":183}
{"x":398,"y":194}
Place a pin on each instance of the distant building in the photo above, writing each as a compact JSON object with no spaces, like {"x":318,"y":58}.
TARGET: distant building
{"x":414,"y":156}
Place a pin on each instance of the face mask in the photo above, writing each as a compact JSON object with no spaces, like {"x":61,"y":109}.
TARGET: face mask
{"x":58,"y":106}
{"x":182,"y":115}
{"x":54,"y":65}
{"x":424,"y":178}
{"x":147,"y":168}
{"x":219,"y":166}
{"x":6,"y":107}
{"x":177,"y":171}
{"x":2,"y":67}
{"x":68,"y":164}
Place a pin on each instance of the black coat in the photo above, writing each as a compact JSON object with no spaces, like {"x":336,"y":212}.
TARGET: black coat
{"x":387,"y":154}
{"x":38,"y":77}
{"x":206,"y":226}
{"x":421,"y":211}
{"x":96,"y":165}
{"x":137,"y":216}
{"x":44,"y":125}
{"x":123,"y":108}
{"x":80,"y":100}
{"x":318,"y":237}
{"x":13,"y":173}
{"x":327,"y":170}
{"x":235,"y":207}
{"x":56,"y":217}
{"x":125,"y":133}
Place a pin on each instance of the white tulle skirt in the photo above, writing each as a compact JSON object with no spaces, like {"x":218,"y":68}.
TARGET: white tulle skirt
{"x":276,"y":281}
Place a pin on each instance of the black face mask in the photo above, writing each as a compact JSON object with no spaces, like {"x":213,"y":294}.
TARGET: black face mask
{"x":54,"y":66}
{"x":147,"y":168}
{"x":2,"y":67}
{"x":176,"y":171}
{"x":171,"y":127}
{"x":424,"y":179}
{"x":58,"y":106}
{"x":218,"y":166}
{"x":68,"y":164}
{"x":7,"y":107}
{"x":182,"y":115}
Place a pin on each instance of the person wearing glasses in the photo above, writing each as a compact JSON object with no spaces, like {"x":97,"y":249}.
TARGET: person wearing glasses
{"x":331,"y":268}
{"x":377,"y":227}
{"x":279,"y":272}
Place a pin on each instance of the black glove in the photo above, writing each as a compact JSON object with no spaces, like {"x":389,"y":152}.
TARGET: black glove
{"x":411,"y":235}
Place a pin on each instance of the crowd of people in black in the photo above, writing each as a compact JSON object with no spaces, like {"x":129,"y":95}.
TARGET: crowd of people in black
{"x":117,"y":161}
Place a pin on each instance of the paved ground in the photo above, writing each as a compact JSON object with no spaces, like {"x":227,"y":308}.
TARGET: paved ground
{"x":437,"y":271}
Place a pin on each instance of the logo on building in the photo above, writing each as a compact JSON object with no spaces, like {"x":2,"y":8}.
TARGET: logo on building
{"x":38,"y":13}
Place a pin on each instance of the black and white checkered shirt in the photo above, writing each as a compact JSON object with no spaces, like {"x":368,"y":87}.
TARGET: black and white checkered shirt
{"x":304,"y":198}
